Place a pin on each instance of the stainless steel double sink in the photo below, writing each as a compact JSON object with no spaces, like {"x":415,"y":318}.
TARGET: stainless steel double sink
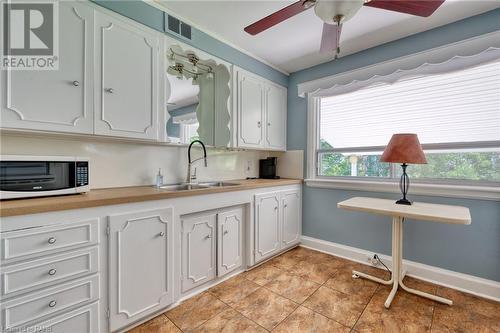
{"x":197,"y":186}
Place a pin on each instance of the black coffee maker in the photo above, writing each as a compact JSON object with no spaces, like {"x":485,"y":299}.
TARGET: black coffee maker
{"x":267,"y":168}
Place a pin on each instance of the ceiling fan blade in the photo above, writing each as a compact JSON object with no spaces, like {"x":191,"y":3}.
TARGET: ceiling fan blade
{"x":423,"y":8}
{"x":330,"y":37}
{"x":279,"y":16}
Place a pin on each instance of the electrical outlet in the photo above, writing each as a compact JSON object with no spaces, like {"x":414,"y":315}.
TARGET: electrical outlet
{"x":248,"y":167}
{"x":373,"y":261}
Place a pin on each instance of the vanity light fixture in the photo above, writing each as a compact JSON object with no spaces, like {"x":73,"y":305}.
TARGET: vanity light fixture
{"x":197,"y":66}
{"x":177,"y":70}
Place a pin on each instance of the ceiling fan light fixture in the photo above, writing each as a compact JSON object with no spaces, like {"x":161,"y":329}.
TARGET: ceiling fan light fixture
{"x":308,"y":3}
{"x":327,"y":10}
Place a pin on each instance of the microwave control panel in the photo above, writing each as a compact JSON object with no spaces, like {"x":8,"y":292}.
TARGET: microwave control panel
{"x":82,"y":173}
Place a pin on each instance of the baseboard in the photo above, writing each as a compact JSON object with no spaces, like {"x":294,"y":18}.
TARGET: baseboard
{"x":463,"y":282}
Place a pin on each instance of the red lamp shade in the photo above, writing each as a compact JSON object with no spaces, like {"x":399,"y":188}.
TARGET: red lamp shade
{"x":404,"y":148}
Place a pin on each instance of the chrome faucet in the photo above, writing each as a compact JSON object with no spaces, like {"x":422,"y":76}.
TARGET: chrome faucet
{"x":191,"y":178}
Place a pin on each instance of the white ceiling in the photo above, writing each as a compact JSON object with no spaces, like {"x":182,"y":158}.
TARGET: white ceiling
{"x":294,"y":44}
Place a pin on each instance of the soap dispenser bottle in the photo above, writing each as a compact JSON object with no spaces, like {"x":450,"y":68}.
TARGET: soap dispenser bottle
{"x":159,"y":179}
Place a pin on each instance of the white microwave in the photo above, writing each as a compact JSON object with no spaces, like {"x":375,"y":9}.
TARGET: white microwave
{"x":23,"y":176}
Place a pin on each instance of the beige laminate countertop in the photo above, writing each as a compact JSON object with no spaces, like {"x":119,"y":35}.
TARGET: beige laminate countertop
{"x":121,"y":195}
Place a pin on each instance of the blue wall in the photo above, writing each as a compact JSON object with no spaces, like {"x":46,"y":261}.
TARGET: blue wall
{"x":154,"y":18}
{"x":473,"y":249}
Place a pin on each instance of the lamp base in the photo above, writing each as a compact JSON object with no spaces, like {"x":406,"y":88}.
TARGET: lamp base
{"x":404,"y":201}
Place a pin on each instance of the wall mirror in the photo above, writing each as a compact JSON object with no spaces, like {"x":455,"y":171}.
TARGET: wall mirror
{"x":197,"y":98}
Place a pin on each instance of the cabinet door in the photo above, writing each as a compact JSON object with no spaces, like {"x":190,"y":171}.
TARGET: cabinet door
{"x":55,"y":100}
{"x":198,"y":249}
{"x":292,"y":217}
{"x":229,"y":240}
{"x":250,"y":110}
{"x":127,"y":70}
{"x":276,"y":117}
{"x":139,"y":264}
{"x":267,"y":225}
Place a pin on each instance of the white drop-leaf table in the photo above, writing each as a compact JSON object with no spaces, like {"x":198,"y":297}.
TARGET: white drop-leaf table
{"x":417,"y":211}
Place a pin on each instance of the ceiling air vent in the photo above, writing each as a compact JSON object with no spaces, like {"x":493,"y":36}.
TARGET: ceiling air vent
{"x":177,"y":27}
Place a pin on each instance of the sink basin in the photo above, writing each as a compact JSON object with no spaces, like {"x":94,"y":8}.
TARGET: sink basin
{"x":187,"y":187}
{"x":182,"y":187}
{"x":218,"y":184}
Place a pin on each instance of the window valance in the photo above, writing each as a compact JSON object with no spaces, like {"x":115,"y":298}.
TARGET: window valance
{"x":447,"y":58}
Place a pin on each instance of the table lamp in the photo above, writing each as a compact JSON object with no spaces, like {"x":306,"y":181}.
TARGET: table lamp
{"x":404,"y":148}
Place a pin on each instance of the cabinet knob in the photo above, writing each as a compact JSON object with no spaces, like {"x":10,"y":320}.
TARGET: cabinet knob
{"x":161,"y":234}
{"x":53,"y":271}
{"x":275,"y":207}
{"x":51,"y":240}
{"x":208,"y":236}
{"x":109,"y":90}
{"x":259,"y":124}
{"x":76,"y":83}
{"x":52,"y":303}
{"x":225,"y":232}
{"x":268,"y":124}
{"x":285,"y":205}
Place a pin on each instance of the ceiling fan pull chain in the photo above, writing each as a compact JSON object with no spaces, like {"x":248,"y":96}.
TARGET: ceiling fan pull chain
{"x":338,"y":40}
{"x":338,"y":20}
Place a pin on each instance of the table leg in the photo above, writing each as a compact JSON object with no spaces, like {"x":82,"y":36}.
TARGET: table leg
{"x":397,"y":274}
{"x":396,"y":262}
{"x":414,"y":291}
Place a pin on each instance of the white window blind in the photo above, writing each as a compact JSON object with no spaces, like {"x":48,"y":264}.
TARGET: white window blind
{"x":457,"y":107}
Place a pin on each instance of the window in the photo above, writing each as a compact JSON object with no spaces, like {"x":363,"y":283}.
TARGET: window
{"x":456,"y":116}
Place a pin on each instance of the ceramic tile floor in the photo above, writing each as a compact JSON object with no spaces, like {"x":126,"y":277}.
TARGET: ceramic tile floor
{"x":307,"y":291}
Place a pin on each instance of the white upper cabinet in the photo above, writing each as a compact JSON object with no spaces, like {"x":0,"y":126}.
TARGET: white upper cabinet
{"x":259,"y":109}
{"x":127,"y":79}
{"x":139,"y":264}
{"x":276,"y":117}
{"x":108,"y":81}
{"x":250,"y":106}
{"x":229,"y":240}
{"x":198,"y":249}
{"x":55,"y":100}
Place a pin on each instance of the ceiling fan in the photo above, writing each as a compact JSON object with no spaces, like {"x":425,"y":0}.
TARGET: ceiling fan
{"x":335,"y":12}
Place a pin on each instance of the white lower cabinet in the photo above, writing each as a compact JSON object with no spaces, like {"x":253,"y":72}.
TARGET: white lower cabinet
{"x":139,"y":264}
{"x":267,"y":225}
{"x":198,"y":249}
{"x":278,"y":220}
{"x":22,"y":310}
{"x":81,"y":320}
{"x":212,"y":245}
{"x":105,"y":269}
{"x":291,"y":208}
{"x":229,"y":241}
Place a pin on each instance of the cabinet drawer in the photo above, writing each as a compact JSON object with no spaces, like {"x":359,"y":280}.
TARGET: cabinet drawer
{"x":50,"y":239}
{"x":81,"y":320}
{"x":47,"y":271}
{"x":22,"y":310}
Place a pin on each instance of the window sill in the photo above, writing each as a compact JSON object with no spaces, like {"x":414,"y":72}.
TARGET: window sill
{"x":442,"y":190}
